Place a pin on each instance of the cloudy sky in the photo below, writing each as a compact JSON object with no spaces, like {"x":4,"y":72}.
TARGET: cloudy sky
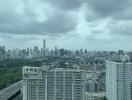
{"x":71,"y":24}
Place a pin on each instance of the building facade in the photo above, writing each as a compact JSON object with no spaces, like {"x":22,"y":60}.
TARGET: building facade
{"x":56,"y":84}
{"x":118,"y":80}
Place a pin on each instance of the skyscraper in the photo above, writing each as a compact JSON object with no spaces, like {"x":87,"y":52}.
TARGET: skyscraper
{"x":118,"y":80}
{"x":55,"y":84}
{"x":44,"y":47}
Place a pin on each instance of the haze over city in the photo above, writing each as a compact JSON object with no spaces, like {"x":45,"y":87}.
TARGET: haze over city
{"x":71,"y":24}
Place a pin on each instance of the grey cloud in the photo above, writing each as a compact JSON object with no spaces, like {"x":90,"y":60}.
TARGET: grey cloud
{"x":66,"y":4}
{"x":108,"y":8}
{"x":5,"y":36}
{"x":60,"y":23}
{"x":96,"y":31}
{"x":26,"y":20}
{"x":125,"y":15}
{"x":121,"y":28}
{"x":8,"y":37}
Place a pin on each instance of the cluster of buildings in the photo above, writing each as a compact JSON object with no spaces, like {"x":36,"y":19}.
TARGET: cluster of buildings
{"x":35,"y":52}
{"x":44,"y":83}
{"x":2,"y":51}
{"x":23,"y":53}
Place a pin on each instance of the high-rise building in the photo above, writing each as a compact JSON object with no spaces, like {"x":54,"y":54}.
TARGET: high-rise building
{"x":120,"y":52}
{"x":55,"y":84}
{"x":44,"y":47}
{"x":118,"y":80}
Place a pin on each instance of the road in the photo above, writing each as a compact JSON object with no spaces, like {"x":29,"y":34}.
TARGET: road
{"x":10,"y":91}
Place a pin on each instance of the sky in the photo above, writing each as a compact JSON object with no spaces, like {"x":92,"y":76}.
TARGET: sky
{"x":71,"y":24}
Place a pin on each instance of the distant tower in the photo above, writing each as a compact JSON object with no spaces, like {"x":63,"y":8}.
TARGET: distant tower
{"x":44,"y":47}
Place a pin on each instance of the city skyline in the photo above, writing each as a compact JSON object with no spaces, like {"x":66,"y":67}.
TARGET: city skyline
{"x":41,"y":47}
{"x":86,"y":24}
{"x":45,"y":46}
{"x":65,"y":50}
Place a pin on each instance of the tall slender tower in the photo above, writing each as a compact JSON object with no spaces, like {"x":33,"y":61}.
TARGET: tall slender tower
{"x":44,"y":47}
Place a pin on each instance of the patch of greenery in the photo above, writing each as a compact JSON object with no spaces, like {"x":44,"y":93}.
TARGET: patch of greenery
{"x":11,"y":70}
{"x":9,"y":76}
